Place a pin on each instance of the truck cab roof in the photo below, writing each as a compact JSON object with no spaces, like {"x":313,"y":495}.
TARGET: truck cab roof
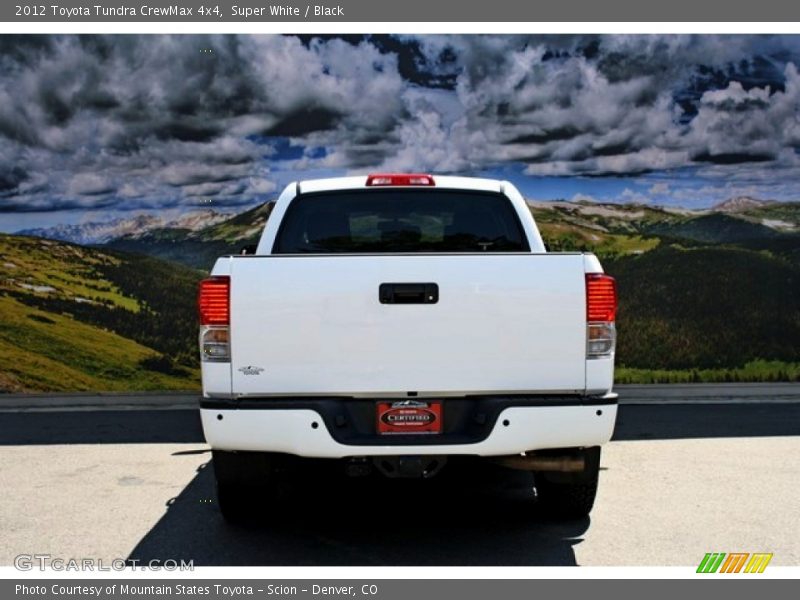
{"x":309,"y":186}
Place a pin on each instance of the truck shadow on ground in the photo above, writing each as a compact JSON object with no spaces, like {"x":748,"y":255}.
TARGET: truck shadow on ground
{"x":476,"y":519}
{"x":634,"y":422}
{"x":481,"y":517}
{"x":686,"y":421}
{"x":101,"y":427}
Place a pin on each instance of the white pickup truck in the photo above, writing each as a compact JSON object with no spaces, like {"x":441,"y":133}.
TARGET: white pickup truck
{"x":394,"y":322}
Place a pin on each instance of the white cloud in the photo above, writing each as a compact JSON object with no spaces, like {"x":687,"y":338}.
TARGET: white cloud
{"x":89,"y":184}
{"x":629,"y":195}
{"x":150,"y":121}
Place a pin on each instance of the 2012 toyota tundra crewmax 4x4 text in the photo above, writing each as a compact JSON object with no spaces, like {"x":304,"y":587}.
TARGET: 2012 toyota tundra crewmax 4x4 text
{"x":395,"y":322}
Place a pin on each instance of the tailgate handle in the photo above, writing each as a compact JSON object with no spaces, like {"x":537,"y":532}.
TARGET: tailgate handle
{"x":408,"y":293}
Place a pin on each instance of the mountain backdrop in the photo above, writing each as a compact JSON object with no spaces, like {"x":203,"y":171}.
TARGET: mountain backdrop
{"x":704,"y":295}
{"x":105,"y":231}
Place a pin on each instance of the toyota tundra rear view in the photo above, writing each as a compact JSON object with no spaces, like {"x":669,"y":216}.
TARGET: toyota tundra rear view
{"x":395,"y":323}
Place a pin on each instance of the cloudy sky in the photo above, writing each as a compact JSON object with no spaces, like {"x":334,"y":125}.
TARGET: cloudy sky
{"x":97,"y":127}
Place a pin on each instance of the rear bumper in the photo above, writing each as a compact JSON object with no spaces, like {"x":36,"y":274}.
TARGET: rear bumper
{"x":338,"y":428}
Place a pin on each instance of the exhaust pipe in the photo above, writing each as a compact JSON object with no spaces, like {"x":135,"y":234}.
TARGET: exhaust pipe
{"x":532,"y":462}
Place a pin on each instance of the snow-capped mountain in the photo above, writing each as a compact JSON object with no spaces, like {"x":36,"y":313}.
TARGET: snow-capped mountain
{"x":740,"y":204}
{"x":105,"y":231}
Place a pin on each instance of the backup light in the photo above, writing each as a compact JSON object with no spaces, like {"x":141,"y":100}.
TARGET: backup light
{"x":215,"y":344}
{"x":601,"y":338}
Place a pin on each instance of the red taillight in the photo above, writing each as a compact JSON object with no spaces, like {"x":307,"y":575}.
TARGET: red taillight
{"x":601,"y":298}
{"x":388,"y":179}
{"x":213,"y":301}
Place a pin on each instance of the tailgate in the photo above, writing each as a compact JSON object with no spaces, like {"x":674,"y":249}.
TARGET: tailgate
{"x":315,"y":325}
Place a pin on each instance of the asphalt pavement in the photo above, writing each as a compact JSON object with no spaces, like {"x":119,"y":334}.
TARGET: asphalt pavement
{"x":690,"y":471}
{"x":695,"y":393}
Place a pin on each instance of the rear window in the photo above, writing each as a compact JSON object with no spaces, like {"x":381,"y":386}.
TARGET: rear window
{"x":376,"y":221}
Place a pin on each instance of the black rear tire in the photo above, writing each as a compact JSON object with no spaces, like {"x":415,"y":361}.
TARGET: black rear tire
{"x":235,"y":502}
{"x":245,"y":484}
{"x":568,"y":495}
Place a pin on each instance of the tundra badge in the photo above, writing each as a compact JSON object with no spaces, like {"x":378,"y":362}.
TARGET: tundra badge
{"x":251,"y":370}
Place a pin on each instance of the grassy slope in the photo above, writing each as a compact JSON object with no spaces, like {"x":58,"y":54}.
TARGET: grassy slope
{"x":754,"y":371}
{"x":568,"y":237}
{"x":71,"y":270}
{"x":43,"y":351}
{"x":789,"y":212}
{"x":52,"y":349}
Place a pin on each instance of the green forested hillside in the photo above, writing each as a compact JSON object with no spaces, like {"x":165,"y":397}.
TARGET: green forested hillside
{"x":75,"y":318}
{"x":714,"y":228}
{"x":710,"y":296}
{"x":703,"y":297}
{"x":705,"y":307}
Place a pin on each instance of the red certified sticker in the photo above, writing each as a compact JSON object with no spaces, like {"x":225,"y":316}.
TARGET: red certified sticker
{"x":409,"y":416}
